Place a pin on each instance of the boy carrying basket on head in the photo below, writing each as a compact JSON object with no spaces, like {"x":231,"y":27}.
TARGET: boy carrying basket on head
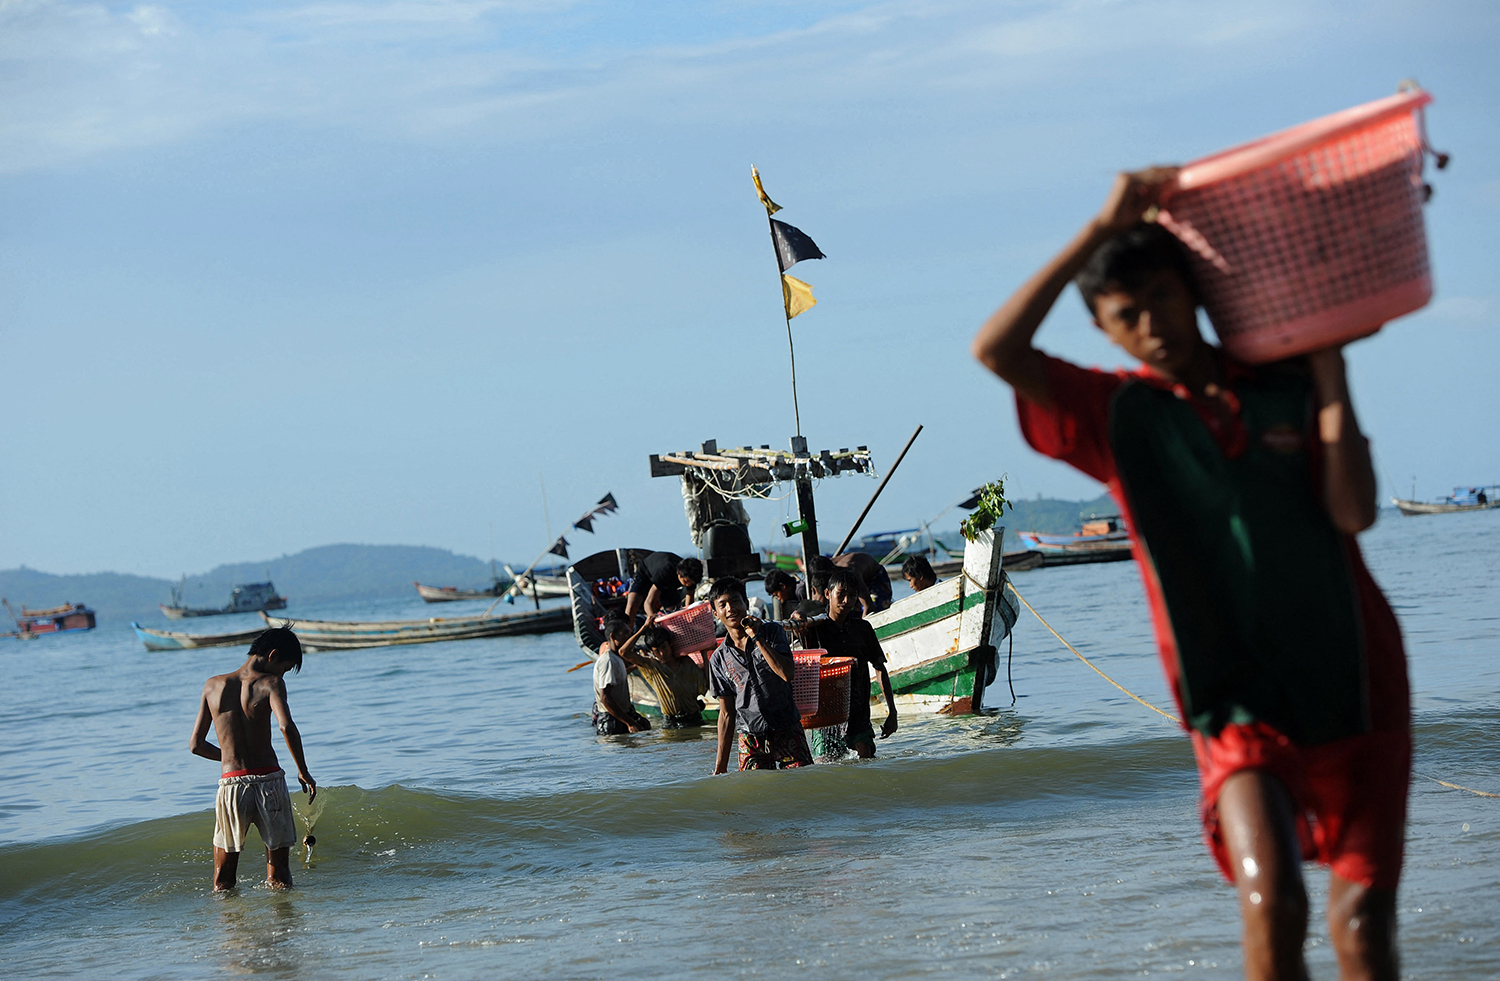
{"x":1244,"y":487}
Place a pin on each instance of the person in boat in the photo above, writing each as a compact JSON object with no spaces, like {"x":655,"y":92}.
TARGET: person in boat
{"x":917,"y":572}
{"x":874,"y":581}
{"x":751,"y":675}
{"x":782,"y":589}
{"x":844,"y":632}
{"x":613,"y":714}
{"x":677,"y":679}
{"x":663,"y":581}
{"x":239,"y":707}
{"x":1245,"y":486}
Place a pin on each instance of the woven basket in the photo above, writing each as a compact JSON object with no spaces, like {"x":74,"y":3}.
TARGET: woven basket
{"x":832,"y":705}
{"x":1310,"y":237}
{"x":692,"y":630}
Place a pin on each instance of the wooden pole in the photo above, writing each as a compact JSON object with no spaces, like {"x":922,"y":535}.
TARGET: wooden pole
{"x":860,"y":520}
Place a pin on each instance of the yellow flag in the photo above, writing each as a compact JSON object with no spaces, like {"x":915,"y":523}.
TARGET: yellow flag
{"x":771,"y":206}
{"x":797,"y":296}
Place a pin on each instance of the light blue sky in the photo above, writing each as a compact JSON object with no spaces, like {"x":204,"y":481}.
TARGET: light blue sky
{"x":283,"y":274}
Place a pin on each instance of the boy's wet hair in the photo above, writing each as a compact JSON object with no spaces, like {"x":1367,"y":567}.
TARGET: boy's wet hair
{"x":726,"y":586}
{"x":655,"y":638}
{"x":845,"y":580}
{"x":776,"y":580}
{"x":283,"y":642}
{"x":1129,"y":259}
{"x":917,"y":567}
{"x":692,"y":568}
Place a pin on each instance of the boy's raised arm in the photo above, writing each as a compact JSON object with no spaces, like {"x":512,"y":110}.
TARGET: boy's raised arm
{"x":1003,"y":344}
{"x":292,"y":736}
{"x":1348,"y":474}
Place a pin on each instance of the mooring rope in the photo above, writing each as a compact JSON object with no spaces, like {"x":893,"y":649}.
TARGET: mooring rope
{"x":1445,"y":783}
{"x":1165,"y":715}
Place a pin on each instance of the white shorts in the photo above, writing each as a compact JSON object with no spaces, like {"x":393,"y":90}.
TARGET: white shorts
{"x":260,"y":800}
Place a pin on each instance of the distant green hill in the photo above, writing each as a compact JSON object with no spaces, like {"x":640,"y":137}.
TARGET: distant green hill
{"x":329,"y":572}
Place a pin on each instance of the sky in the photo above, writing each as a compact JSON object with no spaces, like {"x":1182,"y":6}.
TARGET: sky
{"x":286,"y":274}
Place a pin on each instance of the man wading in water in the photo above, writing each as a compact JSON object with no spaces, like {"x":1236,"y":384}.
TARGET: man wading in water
{"x":252,"y":787}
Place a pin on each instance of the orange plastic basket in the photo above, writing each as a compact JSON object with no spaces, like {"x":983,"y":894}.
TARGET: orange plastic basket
{"x":692,"y":630}
{"x":831,"y":707}
{"x":1309,"y":237}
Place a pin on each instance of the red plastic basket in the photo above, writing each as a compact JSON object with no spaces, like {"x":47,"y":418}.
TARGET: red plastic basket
{"x":830,"y":706}
{"x":1309,"y":237}
{"x":692,"y":630}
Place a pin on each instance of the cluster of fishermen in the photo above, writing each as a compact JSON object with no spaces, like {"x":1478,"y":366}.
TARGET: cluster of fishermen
{"x":750,"y":672}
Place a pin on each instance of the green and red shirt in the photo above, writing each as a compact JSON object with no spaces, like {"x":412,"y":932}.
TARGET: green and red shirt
{"x":1263,"y":610}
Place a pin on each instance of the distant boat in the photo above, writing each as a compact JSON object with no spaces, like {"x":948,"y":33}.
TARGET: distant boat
{"x":450,"y":594}
{"x":539,"y":586}
{"x":1095,"y":531}
{"x":1462,"y":499}
{"x":250,"y":597}
{"x":328,"y":635}
{"x":67,"y":618}
{"x":1097,"y":540}
{"x":168,"y":640}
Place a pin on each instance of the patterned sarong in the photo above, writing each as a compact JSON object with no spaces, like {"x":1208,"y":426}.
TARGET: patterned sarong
{"x":783,"y":749}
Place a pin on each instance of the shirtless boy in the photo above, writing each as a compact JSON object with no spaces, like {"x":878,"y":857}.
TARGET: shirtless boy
{"x":252,"y":787}
{"x":1244,"y":486}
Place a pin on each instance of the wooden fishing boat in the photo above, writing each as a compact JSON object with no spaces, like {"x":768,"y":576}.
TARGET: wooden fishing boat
{"x":1086,"y":553}
{"x":1462,"y":499}
{"x":170,"y":640}
{"x":250,"y":597}
{"x":1095,"y":531}
{"x":537,"y":586}
{"x":941,"y":644}
{"x":328,"y":635}
{"x":451,"y":594}
{"x":67,"y":618}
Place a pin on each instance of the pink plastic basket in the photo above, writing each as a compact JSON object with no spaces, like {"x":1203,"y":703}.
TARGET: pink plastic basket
{"x":692,"y":630}
{"x":1312,"y":236}
{"x":806,"y":680}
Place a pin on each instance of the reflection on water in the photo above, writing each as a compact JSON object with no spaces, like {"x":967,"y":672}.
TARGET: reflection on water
{"x":260,"y":928}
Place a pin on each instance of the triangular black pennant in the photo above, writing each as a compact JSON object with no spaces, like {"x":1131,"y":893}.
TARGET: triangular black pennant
{"x":560,"y":547}
{"x":792,"y":245}
{"x":585,"y":523}
{"x":973,"y":501}
{"x":607,"y":502}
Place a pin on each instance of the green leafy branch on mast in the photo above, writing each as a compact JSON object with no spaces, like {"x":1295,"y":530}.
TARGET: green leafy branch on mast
{"x":992,"y":504}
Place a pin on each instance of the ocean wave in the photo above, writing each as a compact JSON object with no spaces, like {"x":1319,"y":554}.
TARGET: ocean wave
{"x":580,"y":826}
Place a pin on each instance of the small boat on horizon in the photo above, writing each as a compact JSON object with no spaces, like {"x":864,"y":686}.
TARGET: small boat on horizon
{"x":1462,"y":499}
{"x":250,"y":597}
{"x":68,"y":618}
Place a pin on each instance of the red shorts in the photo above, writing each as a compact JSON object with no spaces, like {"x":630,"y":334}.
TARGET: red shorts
{"x":1349,"y":796}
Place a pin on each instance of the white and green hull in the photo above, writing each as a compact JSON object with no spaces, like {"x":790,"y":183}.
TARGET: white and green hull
{"x":941,"y":645}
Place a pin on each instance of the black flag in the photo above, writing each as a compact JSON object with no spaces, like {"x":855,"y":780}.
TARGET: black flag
{"x":607,"y":502}
{"x":973,"y":501}
{"x":792,"y":246}
{"x":560,"y":547}
{"x":585,"y":523}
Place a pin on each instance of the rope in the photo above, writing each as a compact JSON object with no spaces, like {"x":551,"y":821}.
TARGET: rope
{"x":1454,"y":786}
{"x":1165,"y":715}
{"x":1445,"y":783}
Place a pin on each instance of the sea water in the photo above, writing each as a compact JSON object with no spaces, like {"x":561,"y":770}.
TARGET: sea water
{"x":470,"y":824}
